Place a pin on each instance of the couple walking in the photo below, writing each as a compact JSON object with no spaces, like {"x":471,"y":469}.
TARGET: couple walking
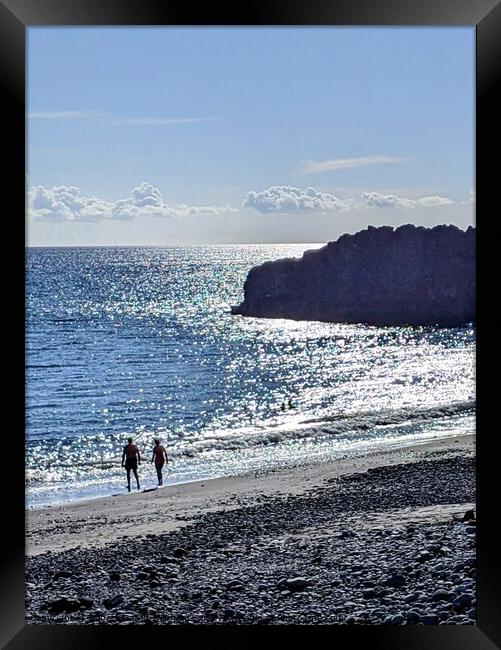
{"x":131,"y":458}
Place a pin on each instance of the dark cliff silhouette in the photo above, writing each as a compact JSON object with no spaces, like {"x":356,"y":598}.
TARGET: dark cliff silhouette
{"x":380,"y":276}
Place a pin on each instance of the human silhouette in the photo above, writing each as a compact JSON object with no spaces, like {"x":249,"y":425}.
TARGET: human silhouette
{"x":159,"y":457}
{"x":130,"y":460}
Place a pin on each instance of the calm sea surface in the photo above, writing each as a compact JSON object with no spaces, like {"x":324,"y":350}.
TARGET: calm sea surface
{"x":141,"y":342}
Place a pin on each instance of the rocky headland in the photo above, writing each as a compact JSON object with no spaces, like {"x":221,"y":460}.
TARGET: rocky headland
{"x":410,"y":275}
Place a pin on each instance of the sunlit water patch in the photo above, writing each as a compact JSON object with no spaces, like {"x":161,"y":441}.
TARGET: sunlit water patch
{"x":140,"y":341}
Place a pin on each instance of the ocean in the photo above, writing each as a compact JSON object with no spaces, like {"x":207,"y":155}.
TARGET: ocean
{"x":140,"y":342}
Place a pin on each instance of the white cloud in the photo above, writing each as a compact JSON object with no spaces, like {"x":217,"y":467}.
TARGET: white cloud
{"x":157,"y":121}
{"x":145,"y":200}
{"x":65,"y":203}
{"x":472,"y":198}
{"x":377,"y":200}
{"x":188,"y":210}
{"x":286,"y":199}
{"x":317,"y":167}
{"x":63,"y":115}
{"x":105,"y":119}
{"x":431,"y":201}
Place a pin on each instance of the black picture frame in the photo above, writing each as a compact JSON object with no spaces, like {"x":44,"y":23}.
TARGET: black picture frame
{"x":18,"y":15}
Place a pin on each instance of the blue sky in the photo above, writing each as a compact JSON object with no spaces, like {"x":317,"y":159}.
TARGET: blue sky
{"x":179,"y":135}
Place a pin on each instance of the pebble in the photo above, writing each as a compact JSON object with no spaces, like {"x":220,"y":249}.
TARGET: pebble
{"x":261,"y":564}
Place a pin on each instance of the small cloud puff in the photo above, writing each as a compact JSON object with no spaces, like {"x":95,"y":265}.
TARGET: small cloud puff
{"x":286,"y":199}
{"x":189,"y":210}
{"x":65,"y":203}
{"x":145,"y":200}
{"x":377,"y":200}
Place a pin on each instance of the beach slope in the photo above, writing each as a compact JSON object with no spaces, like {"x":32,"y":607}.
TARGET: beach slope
{"x":378,"y":539}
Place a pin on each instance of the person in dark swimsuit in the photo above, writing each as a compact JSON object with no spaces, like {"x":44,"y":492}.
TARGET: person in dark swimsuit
{"x":159,"y":457}
{"x":130,"y":459}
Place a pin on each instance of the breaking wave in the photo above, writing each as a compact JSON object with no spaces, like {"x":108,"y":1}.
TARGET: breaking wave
{"x":332,"y":426}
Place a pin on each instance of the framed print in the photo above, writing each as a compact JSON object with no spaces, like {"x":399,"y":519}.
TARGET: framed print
{"x":249,"y":323}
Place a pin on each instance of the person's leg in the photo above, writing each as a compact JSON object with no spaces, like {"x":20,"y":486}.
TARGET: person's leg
{"x":137,"y":477}
{"x":159,"y":474}
{"x":128,"y":478}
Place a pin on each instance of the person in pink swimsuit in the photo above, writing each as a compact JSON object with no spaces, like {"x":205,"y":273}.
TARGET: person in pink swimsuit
{"x":130,"y":459}
{"x":159,"y":458}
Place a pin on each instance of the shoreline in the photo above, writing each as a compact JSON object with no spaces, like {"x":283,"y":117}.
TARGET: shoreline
{"x":148,"y":482}
{"x":382,"y":539}
{"x":113,"y":487}
{"x":102,"y":520}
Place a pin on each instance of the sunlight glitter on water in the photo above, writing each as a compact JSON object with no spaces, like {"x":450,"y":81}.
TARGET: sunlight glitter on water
{"x":141,"y":342}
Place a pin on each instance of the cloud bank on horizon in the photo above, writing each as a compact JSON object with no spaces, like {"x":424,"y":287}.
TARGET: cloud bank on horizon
{"x":286,"y":199}
{"x":65,"y":203}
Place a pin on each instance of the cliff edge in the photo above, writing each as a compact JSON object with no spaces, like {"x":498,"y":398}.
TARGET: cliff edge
{"x":410,"y":275}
